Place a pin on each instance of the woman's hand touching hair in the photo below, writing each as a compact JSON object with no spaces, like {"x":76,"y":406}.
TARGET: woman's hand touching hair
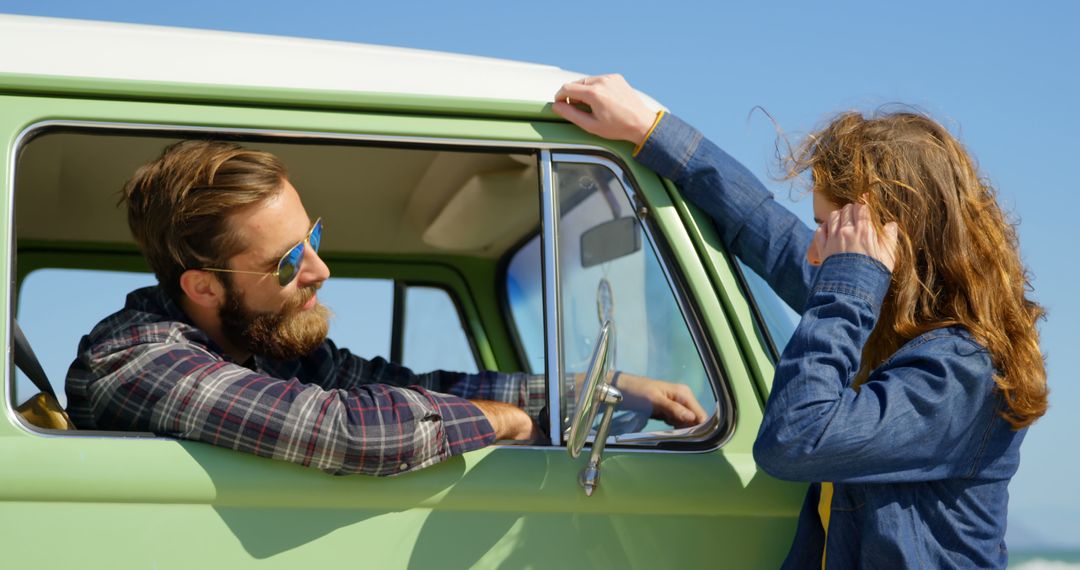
{"x":850,"y":230}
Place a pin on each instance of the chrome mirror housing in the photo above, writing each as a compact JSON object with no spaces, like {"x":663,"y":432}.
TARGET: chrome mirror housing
{"x":596,"y":391}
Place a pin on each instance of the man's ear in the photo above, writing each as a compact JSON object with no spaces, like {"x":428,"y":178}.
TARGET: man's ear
{"x":203,"y":288}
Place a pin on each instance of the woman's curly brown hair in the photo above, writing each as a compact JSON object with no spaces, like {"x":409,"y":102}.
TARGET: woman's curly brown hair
{"x":958,"y":260}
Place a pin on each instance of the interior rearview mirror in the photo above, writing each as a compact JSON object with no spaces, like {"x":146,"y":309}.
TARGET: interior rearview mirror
{"x":610,"y":240}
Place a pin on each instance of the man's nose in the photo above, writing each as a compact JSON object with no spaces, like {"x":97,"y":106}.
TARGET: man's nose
{"x":313,"y":269}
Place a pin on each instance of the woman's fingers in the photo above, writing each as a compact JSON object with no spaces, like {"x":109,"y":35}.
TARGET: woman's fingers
{"x":832,"y":230}
{"x":851,"y":230}
{"x":890,"y":241}
{"x":815,"y":254}
{"x":851,"y":214}
{"x":616,"y":110}
{"x":581,"y":118}
{"x":576,"y":92}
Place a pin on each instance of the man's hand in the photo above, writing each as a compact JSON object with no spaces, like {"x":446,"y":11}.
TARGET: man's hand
{"x":674,"y":403}
{"x":617,"y":112}
{"x":508,"y":421}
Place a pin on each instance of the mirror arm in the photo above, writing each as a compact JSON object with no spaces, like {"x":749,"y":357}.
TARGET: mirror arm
{"x":589,"y":478}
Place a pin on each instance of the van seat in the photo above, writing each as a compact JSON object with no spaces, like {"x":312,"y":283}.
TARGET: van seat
{"x":44,"y":411}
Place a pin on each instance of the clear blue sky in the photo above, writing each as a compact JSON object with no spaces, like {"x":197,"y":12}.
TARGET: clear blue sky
{"x":1002,"y":75}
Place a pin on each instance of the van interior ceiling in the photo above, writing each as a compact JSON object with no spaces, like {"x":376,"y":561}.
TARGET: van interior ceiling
{"x":378,"y":200}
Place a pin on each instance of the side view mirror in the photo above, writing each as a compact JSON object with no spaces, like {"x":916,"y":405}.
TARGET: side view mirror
{"x":596,"y":391}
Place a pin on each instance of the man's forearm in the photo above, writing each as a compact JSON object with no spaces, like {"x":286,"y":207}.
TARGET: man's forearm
{"x":508,"y":421}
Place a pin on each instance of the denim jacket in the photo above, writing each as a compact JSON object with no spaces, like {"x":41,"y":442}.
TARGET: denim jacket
{"x":919,"y":457}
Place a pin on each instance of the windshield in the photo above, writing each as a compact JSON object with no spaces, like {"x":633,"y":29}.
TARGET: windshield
{"x":777,"y":318}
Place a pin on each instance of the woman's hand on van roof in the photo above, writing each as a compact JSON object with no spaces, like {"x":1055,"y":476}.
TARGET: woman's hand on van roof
{"x":615,"y":109}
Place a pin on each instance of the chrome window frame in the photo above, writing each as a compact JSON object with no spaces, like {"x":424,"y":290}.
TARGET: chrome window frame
{"x":672,"y":274}
{"x":549,"y":269}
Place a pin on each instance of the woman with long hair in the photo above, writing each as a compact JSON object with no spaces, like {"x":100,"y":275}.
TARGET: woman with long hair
{"x":908,"y":385}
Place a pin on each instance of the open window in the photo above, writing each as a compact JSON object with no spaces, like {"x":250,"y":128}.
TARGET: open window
{"x":414,"y":235}
{"x":438,"y":252}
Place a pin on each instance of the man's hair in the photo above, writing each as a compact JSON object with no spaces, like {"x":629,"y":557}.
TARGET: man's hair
{"x":178,"y":205}
{"x":958,"y":260}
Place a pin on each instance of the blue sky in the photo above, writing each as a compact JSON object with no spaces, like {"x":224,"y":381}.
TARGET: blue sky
{"x":1002,"y":76}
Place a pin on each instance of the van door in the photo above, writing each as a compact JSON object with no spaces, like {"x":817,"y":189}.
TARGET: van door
{"x":532,"y":304}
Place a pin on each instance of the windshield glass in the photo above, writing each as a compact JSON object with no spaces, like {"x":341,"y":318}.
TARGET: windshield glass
{"x":777,"y":318}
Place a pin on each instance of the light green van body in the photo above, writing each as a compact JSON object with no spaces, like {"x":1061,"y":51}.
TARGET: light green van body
{"x":71,"y":500}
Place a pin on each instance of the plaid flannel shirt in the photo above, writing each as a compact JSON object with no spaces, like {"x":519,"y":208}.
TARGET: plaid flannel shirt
{"x":147,"y":368}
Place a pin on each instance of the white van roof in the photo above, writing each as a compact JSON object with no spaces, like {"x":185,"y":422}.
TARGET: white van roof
{"x":81,"y":48}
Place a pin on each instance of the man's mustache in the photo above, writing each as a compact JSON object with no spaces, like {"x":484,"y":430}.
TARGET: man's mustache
{"x":303,"y":295}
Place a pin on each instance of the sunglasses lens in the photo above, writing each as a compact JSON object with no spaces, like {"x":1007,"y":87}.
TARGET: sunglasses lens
{"x":316,"y":235}
{"x":290,"y":264}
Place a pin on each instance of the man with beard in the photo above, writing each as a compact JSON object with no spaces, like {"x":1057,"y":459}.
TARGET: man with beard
{"x":230,"y":348}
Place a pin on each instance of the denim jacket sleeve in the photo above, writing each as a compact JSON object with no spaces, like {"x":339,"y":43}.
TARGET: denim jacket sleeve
{"x":763,"y":234}
{"x":919,"y":416}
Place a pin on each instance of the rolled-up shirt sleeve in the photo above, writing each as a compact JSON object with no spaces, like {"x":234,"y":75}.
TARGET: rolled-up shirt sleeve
{"x":184,"y":391}
{"x":466,"y":427}
{"x":526,"y":391}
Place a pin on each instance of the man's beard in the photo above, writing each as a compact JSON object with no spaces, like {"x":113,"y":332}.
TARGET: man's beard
{"x":280,"y":335}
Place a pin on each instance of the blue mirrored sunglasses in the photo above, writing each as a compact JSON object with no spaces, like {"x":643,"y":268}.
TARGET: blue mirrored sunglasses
{"x":289,"y":264}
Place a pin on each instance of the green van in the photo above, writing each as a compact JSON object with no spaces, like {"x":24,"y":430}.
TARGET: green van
{"x":468,"y":228}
